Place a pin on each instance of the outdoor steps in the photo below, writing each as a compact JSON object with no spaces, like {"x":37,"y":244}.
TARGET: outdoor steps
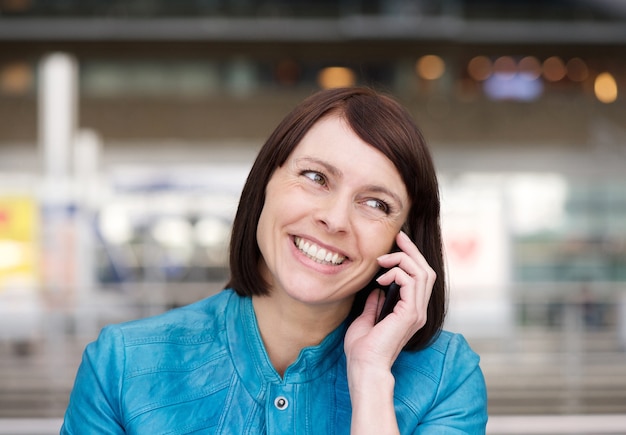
{"x":37,"y":385}
{"x":551,"y":372}
{"x":559,"y":386}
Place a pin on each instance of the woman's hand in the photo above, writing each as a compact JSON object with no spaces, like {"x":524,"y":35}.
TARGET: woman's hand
{"x":371,"y":348}
{"x":379,"y":344}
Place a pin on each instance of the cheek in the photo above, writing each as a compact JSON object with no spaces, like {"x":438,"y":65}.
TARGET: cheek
{"x":264,"y":227}
{"x":387,"y":247}
{"x":376,"y":241}
{"x":278,"y":211}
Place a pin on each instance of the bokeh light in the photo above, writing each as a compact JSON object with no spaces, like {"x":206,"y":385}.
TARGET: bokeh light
{"x":553,"y":69}
{"x":605,"y":88}
{"x":480,"y":68}
{"x":577,"y":70}
{"x":287,"y":72}
{"x":530,"y":68}
{"x":430,"y":67}
{"x":336,"y":77}
{"x":505,"y":67}
{"x":16,"y":78}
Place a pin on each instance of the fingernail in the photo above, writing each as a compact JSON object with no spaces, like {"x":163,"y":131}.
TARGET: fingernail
{"x":380,"y":257}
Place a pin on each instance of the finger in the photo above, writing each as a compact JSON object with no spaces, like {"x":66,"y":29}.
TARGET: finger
{"x":415,"y":292}
{"x":409,"y":259}
{"x":406,"y":272}
{"x":409,"y":248}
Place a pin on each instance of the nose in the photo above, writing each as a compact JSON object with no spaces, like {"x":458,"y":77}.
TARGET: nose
{"x":333,"y":213}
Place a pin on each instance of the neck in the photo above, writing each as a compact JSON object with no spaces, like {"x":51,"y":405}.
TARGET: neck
{"x":286,"y":328}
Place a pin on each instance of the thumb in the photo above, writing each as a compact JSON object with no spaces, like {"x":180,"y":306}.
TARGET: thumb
{"x":373,"y":306}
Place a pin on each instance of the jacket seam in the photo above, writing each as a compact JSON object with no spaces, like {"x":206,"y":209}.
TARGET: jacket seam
{"x":168,"y":339}
{"x":123,"y":376}
{"x":174,"y":369}
{"x":178,"y":400}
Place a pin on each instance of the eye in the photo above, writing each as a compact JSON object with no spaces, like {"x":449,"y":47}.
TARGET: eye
{"x":378,"y":205}
{"x":316,"y":177}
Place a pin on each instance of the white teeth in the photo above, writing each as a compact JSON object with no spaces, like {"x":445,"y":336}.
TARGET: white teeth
{"x":317,"y":253}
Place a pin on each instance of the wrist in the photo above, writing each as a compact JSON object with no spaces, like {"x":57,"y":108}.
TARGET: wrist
{"x":371,"y":396}
{"x":365,"y":378}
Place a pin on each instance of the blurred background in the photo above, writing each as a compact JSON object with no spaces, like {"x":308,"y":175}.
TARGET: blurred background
{"x":127,"y":129}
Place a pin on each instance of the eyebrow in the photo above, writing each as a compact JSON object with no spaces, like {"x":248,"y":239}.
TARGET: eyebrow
{"x":331,"y":169}
{"x":336,"y":172}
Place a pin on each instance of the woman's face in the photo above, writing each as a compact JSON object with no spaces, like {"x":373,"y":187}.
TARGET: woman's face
{"x":334,"y":207}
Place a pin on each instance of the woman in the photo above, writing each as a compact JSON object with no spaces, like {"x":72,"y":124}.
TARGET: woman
{"x":342,"y":198}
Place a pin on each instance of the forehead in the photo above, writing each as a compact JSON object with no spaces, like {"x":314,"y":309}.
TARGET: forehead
{"x":334,"y":133}
{"x":333,"y":141}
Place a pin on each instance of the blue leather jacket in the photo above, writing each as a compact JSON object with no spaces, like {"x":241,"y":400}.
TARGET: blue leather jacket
{"x":203,"y":369}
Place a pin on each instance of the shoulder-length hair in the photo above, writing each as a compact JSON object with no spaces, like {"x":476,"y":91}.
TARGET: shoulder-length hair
{"x":384,"y":124}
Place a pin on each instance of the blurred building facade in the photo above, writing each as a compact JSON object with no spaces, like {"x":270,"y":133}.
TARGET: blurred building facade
{"x":522,"y":102}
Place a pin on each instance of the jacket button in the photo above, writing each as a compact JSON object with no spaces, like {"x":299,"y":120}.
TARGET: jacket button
{"x":281,"y":403}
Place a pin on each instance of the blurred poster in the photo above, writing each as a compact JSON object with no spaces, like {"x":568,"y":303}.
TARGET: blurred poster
{"x":477,"y":254}
{"x":18,"y":240}
{"x":20,"y":304}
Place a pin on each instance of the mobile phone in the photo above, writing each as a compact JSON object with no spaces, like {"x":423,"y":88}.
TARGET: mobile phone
{"x":391,"y":291}
{"x":392,"y":296}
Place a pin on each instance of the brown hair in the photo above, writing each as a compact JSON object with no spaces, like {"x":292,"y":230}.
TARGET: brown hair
{"x":384,"y":124}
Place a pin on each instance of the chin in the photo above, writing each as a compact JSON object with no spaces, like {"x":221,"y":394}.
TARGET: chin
{"x":315,"y":296}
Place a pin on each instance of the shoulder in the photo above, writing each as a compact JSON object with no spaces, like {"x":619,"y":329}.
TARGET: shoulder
{"x":167,"y":355}
{"x":194,"y":326}
{"x":447,"y":350}
{"x":441,"y":388}
{"x":440,"y":369}
{"x":197,"y":321}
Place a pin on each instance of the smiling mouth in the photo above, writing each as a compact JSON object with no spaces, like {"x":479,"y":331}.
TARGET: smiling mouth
{"x":317,"y":253}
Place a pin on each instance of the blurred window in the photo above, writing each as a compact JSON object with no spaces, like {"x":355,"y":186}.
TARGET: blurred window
{"x":150,"y":78}
{"x":585,"y":242}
